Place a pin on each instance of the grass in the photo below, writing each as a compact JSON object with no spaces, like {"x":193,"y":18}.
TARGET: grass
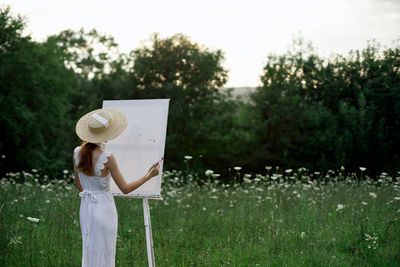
{"x":289,"y":219}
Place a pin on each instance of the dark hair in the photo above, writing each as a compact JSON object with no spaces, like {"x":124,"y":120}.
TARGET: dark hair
{"x":85,"y":158}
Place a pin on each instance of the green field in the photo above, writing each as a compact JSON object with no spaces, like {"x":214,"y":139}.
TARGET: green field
{"x":294,"y":218}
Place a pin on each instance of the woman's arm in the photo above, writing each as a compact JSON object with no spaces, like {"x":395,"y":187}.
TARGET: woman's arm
{"x":119,"y":178}
{"x":77,"y":182}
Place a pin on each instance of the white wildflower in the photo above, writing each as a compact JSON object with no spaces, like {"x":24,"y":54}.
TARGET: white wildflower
{"x":396,"y":198}
{"x":342,"y":168}
{"x":3,"y":156}
{"x":189,"y":195}
{"x":364,"y":203}
{"x":274,"y":176}
{"x":32,"y":219}
{"x":372,"y":194}
{"x":47,"y":201}
{"x":16,"y":240}
{"x":363,"y":169}
{"x":65,"y":171}
{"x":303,"y":235}
{"x":339,"y":207}
{"x":209,"y":172}
{"x":237,"y":168}
{"x":268,"y":168}
{"x":288,"y":170}
{"x":188,"y":157}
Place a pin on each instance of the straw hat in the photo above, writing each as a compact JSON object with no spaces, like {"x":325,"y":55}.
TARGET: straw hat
{"x":101,"y":125}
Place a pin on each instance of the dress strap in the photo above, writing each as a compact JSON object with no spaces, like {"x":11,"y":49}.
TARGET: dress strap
{"x":103,"y":159}
{"x":76,"y":155}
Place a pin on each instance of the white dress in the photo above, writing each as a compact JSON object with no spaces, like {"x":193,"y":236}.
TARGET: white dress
{"x":98,"y":216}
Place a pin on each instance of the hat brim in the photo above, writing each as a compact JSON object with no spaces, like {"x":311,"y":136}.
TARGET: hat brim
{"x":118,"y":125}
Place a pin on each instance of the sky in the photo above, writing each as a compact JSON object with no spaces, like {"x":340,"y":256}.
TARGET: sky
{"x":246,"y":31}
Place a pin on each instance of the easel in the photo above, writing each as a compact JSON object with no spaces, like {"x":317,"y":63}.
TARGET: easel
{"x":149,"y":235}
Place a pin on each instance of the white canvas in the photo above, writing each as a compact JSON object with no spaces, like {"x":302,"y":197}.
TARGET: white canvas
{"x":141,"y":144}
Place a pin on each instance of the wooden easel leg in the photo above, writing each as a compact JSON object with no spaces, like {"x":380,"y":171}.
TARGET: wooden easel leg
{"x":149,"y":235}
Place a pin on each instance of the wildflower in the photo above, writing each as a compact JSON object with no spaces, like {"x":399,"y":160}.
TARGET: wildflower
{"x":288,"y":170}
{"x":32,"y":219}
{"x":396,"y":198}
{"x":188,"y":157}
{"x":65,"y":171}
{"x":339,"y":207}
{"x":303,"y":235}
{"x":189,"y":195}
{"x":342,"y":168}
{"x":237,"y":168}
{"x":362,"y":169}
{"x":47,"y":201}
{"x":34,"y":170}
{"x":268,"y":168}
{"x":364,"y":203}
{"x":317,"y":173}
{"x":246,"y":180}
{"x":209,"y":172}
{"x":372,"y":194}
{"x":16,"y":240}
{"x":3,"y":156}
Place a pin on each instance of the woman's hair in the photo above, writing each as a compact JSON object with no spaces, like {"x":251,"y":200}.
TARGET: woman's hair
{"x":85,"y":158}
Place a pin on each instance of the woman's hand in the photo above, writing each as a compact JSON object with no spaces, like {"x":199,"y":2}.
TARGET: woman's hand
{"x":153,"y":171}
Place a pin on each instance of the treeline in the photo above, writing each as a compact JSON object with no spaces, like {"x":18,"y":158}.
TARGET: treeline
{"x":309,"y":112}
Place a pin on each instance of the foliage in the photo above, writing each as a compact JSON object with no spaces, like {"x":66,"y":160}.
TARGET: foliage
{"x":324,"y":113}
{"x":34,"y":86}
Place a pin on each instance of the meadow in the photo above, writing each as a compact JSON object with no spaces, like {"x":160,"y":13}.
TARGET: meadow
{"x":279,"y":218}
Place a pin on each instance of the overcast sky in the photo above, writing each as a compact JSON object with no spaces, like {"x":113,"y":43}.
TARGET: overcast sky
{"x":247,"y":31}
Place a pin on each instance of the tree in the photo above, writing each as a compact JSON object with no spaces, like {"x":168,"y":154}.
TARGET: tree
{"x":33,"y":101}
{"x":324,"y":113}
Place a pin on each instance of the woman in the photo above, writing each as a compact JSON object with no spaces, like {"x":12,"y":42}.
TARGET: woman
{"x":93,"y":168}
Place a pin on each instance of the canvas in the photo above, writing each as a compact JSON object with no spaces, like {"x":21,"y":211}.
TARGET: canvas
{"x":141,"y":144}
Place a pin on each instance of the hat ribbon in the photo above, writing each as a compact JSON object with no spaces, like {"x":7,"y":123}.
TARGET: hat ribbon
{"x":100,"y":119}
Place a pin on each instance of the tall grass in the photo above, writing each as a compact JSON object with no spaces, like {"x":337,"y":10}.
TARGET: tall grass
{"x":288,"y":218}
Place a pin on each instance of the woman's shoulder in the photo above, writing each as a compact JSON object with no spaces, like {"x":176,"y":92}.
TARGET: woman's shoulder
{"x":76,"y":155}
